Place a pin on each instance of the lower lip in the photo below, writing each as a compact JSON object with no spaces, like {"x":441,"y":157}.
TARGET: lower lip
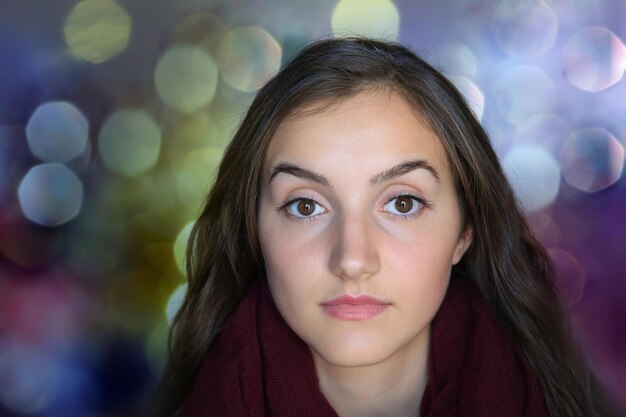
{"x":354,"y":311}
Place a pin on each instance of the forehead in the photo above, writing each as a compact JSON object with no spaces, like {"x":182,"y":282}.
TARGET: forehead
{"x":376,"y":126}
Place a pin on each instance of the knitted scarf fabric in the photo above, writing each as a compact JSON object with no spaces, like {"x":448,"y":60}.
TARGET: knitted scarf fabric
{"x":258,"y":367}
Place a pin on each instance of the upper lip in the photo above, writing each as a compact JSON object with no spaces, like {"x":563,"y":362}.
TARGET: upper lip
{"x":350,"y":300}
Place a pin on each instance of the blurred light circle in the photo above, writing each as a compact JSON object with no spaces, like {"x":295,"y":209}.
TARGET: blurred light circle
{"x":197,"y":131}
{"x":129,"y":142}
{"x":50,"y":194}
{"x":523,"y":91}
{"x":175,"y":301}
{"x":457,"y":58}
{"x":534,"y":175}
{"x":28,"y":380}
{"x":569,"y":277}
{"x":180,"y":247}
{"x":594,"y":59}
{"x":372,"y":18}
{"x":57,"y":132}
{"x":196,"y":175}
{"x":200,"y":28}
{"x":525,"y":28}
{"x":248,"y":57}
{"x":592,"y":159}
{"x":186,"y":78}
{"x":546,"y":130}
{"x":97,"y":30}
{"x":471,"y":92}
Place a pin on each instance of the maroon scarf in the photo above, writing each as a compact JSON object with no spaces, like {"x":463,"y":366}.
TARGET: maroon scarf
{"x":258,"y":367}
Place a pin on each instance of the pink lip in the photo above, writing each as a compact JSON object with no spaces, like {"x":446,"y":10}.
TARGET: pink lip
{"x":347,"y":307}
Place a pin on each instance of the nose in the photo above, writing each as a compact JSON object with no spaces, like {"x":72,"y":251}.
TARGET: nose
{"x":354,"y":253}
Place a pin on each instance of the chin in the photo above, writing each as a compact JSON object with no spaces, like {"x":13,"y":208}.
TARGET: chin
{"x":352,"y":356}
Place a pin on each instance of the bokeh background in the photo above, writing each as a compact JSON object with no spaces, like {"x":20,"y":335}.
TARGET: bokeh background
{"x":115,"y":113}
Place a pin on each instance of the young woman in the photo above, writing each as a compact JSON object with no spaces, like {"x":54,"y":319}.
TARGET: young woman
{"x":362,"y":254}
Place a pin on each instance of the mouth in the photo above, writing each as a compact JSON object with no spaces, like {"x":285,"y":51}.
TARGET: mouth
{"x":347,"y":307}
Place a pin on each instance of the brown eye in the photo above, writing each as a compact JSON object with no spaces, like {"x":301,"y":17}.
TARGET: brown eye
{"x":404,"y":204}
{"x":306,"y":207}
{"x":303,"y":208}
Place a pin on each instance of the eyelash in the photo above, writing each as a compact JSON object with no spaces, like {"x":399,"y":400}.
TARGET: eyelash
{"x":423,"y":203}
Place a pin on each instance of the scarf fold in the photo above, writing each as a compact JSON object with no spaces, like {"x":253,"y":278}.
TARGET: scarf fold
{"x":258,"y":367}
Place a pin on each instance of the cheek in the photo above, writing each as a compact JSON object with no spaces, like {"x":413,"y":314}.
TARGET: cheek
{"x":429,"y":246}
{"x":419,"y":265}
{"x":289,"y":252}
{"x":419,"y":275}
{"x":419,"y":271}
{"x":293,"y":266}
{"x":296,"y":283}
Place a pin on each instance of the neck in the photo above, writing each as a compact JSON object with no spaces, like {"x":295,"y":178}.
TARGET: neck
{"x":392,"y":387}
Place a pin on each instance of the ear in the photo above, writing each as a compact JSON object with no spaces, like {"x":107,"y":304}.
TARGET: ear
{"x":465,"y":240}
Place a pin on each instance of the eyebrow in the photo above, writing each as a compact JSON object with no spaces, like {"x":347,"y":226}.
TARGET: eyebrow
{"x":388,"y":174}
{"x":403,"y":168}
{"x":299,"y":172}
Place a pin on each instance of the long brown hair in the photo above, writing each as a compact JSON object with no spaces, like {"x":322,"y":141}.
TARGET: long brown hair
{"x":507,"y":263}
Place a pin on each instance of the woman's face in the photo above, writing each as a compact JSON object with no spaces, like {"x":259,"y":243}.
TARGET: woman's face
{"x":359,"y":227}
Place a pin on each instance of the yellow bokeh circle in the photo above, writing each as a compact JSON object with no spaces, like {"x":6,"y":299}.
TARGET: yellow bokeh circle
{"x":248,"y":57}
{"x":97,"y":30}
{"x":373,"y":18}
{"x":186,"y":78}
